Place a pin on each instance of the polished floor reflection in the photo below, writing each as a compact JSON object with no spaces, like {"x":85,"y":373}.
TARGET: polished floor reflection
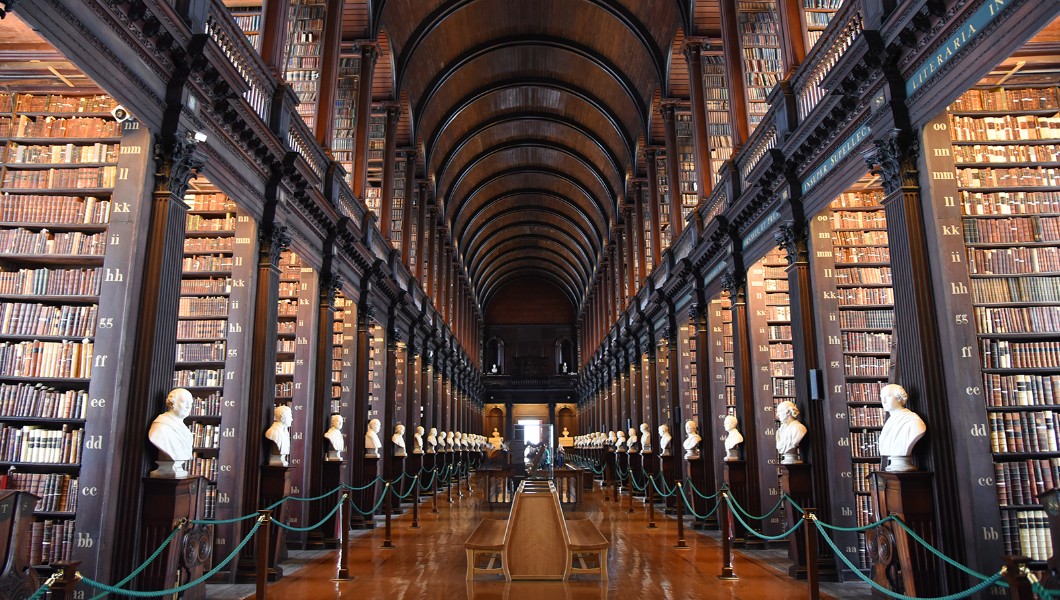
{"x":429,"y":563}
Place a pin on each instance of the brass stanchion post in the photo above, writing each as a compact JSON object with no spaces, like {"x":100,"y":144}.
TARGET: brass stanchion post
{"x":344,"y":541}
{"x":812,"y":577}
{"x":681,"y":545}
{"x":262,"y":576}
{"x":1018,"y":577}
{"x":434,"y":496}
{"x":726,"y":538}
{"x":416,"y":502}
{"x":650,"y":484}
{"x":386,"y":511}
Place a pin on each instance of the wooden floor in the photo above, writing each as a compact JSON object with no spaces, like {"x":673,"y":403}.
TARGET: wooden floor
{"x":429,"y":563}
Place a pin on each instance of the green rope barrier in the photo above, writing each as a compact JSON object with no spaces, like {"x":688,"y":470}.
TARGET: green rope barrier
{"x":633,"y":480}
{"x":768,"y":538}
{"x":43,"y":589}
{"x":224,"y":521}
{"x":187,"y":586}
{"x":430,"y":484}
{"x":338,"y":505}
{"x":982,"y":585}
{"x":794,"y":504}
{"x":936,"y":552}
{"x":143,"y":565}
{"x":1037,"y":588}
{"x":374,"y":508}
{"x":658,"y":491}
{"x":688,"y":482}
{"x":407,"y":493}
{"x":861,"y":528}
{"x":693,"y":512}
{"x":741,"y":510}
{"x":361,"y":488}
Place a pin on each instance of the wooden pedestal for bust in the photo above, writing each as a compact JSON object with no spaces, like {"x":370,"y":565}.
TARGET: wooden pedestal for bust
{"x":668,"y":468}
{"x":17,"y":579}
{"x":796,"y":481}
{"x":899,"y":563}
{"x":736,"y":479}
{"x":275,"y":484}
{"x":165,"y":502}
{"x":695,"y":473}
{"x":365,"y":499}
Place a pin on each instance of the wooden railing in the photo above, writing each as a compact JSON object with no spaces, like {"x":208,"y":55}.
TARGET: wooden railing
{"x":301,"y":140}
{"x":845,"y":27}
{"x":222,"y":29}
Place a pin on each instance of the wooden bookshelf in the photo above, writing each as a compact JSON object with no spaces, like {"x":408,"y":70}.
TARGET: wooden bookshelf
{"x":345,"y":134}
{"x":722,"y":370}
{"x":772,"y":355}
{"x":1009,"y":193}
{"x":686,"y":168}
{"x":719,"y":117}
{"x":760,"y":48}
{"x":376,"y":151}
{"x":816,"y":15}
{"x":304,"y":50}
{"x":247,"y":15}
{"x":851,"y":259}
{"x":648,"y":232}
{"x":687,"y":347}
{"x":663,"y":230}
{"x":398,"y":206}
{"x":60,"y":161}
{"x":296,"y":324}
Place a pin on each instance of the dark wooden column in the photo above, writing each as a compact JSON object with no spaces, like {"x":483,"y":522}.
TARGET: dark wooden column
{"x":422,"y":233}
{"x":734,"y":280}
{"x":631,"y":272}
{"x":329,"y":73}
{"x":651,"y":412}
{"x":362,"y":383}
{"x":429,"y":236}
{"x":694,"y":59}
{"x":674,"y":388}
{"x":274,"y":17}
{"x":792,"y":39}
{"x":673,"y":173}
{"x":791,"y":236}
{"x":708,"y":424}
{"x":407,"y":216}
{"x":638,"y":208}
{"x":359,"y":177}
{"x":919,"y":368}
{"x":652,"y":154}
{"x":261,"y":395}
{"x":330,"y":283}
{"x":620,"y":271}
{"x":389,"y":392}
{"x":730,"y":45}
{"x":386,"y":201}
{"x":427,"y":388}
{"x":154,"y":361}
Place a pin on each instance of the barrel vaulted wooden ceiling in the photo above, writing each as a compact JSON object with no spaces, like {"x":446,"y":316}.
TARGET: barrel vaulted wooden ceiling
{"x":530,"y":115}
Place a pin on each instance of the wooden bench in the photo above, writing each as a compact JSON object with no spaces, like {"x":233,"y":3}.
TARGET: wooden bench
{"x":487,"y":540}
{"x":585,"y":539}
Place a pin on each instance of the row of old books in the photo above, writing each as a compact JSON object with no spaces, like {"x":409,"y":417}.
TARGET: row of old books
{"x":201,"y":351}
{"x":62,"y":154}
{"x":1007,"y":153}
{"x":1012,"y":230}
{"x":51,"y":282}
{"x":1016,"y":289}
{"x":24,"y":208}
{"x":57,"y":103}
{"x":1022,"y":390}
{"x":1002,"y":99}
{"x":43,"y":241}
{"x":36,"y":358}
{"x":57,"y":127}
{"x":40,"y":401}
{"x":1005,"y":354}
{"x":1029,"y":319}
{"x":1023,"y":431}
{"x":1009,"y":202}
{"x":1018,"y":260}
{"x":80,"y":178}
{"x":1006,"y":128}
{"x":57,"y":491}
{"x":51,"y":541}
{"x":1020,"y":482}
{"x":1026,"y":533}
{"x":36,"y":444}
{"x":35,"y":319}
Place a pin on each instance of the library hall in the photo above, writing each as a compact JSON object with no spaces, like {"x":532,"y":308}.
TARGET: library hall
{"x":524,"y":299}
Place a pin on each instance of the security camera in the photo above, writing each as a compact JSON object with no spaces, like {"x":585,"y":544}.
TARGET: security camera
{"x":120,"y":114}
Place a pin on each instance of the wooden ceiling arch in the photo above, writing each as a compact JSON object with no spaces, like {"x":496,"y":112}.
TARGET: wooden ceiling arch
{"x":529,"y":116}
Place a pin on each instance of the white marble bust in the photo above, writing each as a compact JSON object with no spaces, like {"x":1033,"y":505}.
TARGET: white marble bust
{"x":171,"y":436}
{"x":398,"y":439}
{"x":645,"y":439}
{"x":417,"y":440}
{"x":279,"y":433}
{"x":371,"y":439}
{"x":336,"y":443}
{"x":449,"y":440}
{"x":496,"y":439}
{"x":620,"y":441}
{"x":790,"y":433}
{"x":664,"y":440}
{"x":692,"y":440}
{"x":611,"y":439}
{"x":733,"y":439}
{"x":432,"y":440}
{"x":902,"y":430}
{"x":631,"y":442}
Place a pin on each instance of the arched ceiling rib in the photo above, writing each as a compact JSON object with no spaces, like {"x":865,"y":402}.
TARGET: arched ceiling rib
{"x":529,"y":115}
